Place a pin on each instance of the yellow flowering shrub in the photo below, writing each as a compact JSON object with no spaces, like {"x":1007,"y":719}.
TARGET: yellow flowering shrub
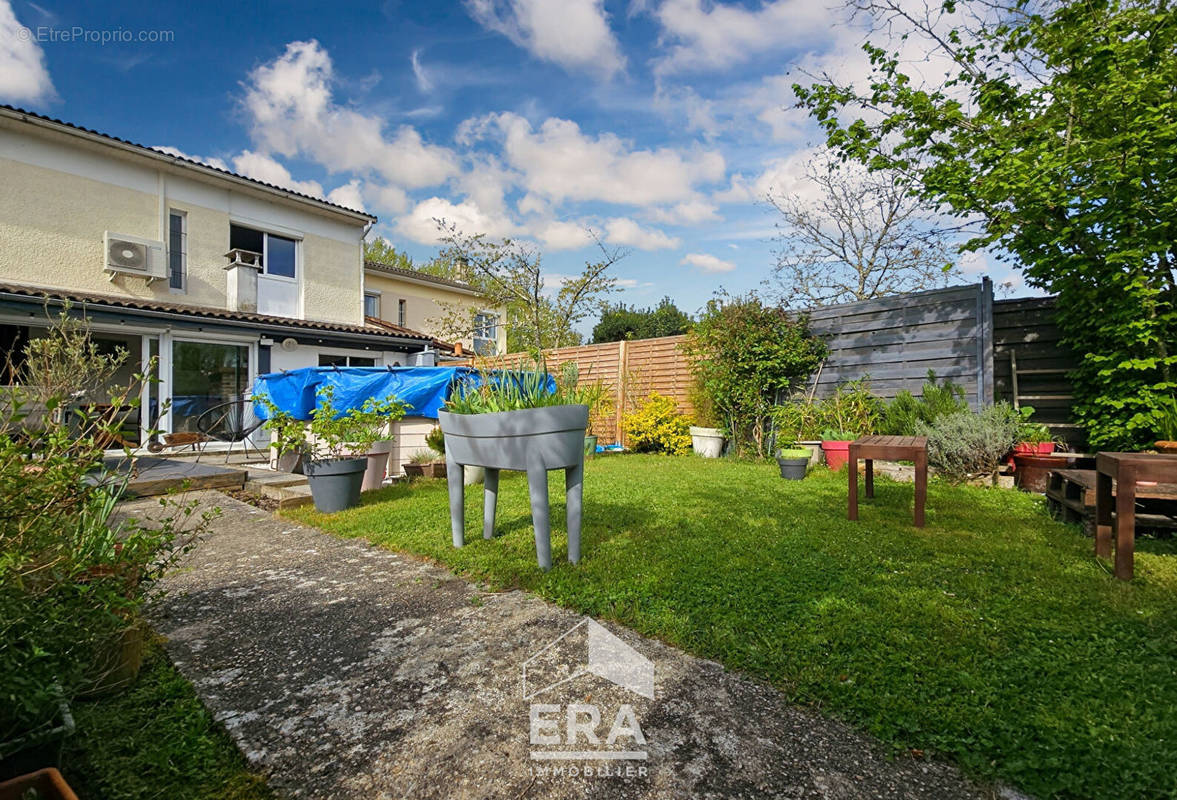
{"x":657,"y":427}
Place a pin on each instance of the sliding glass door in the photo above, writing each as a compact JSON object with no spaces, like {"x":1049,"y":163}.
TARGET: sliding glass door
{"x":205,"y":375}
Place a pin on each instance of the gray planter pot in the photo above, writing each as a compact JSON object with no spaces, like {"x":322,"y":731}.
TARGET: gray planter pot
{"x":531,"y":440}
{"x":335,"y":484}
{"x":793,"y":469}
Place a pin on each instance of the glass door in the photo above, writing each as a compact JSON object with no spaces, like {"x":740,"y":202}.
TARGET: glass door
{"x":205,"y":375}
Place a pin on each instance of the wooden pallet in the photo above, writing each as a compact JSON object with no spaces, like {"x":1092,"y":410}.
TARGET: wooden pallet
{"x":1070,"y":496}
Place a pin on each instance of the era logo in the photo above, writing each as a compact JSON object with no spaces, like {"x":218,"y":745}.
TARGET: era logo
{"x":582,"y":721}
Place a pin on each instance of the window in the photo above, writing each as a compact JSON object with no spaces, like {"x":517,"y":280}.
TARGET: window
{"x":401,"y":313}
{"x":177,"y":250}
{"x":484,"y":333}
{"x":333,"y":360}
{"x":205,"y":375}
{"x":279,"y":253}
{"x":372,"y":304}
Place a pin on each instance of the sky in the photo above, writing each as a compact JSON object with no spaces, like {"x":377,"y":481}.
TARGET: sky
{"x":662,"y":125}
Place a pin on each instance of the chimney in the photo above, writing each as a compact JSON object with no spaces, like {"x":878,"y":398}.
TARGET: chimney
{"x":241,"y":280}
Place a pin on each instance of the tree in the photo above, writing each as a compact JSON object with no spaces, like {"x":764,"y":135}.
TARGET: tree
{"x":1056,"y":127}
{"x":620,"y":322}
{"x":509,"y":274}
{"x":746,"y":355}
{"x":865,"y":236}
{"x":381,"y":251}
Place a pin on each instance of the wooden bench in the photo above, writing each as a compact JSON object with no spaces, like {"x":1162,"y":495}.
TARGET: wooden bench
{"x":1119,"y":479}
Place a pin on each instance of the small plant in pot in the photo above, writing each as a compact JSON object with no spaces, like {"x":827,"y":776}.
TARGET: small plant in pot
{"x":707,"y":438}
{"x":428,"y":463}
{"x":328,"y":442}
{"x":1034,"y":438}
{"x":793,"y":460}
{"x":835,"y":444}
{"x":1166,"y":414}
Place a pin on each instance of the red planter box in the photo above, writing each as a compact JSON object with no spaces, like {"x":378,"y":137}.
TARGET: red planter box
{"x":1033,"y":449}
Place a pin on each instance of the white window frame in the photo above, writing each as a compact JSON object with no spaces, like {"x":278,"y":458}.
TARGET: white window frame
{"x":376,"y":296}
{"x":494,"y":326}
{"x":402,"y":312}
{"x":183,"y":215}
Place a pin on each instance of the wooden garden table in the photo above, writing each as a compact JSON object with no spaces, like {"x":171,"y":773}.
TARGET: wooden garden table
{"x":889,"y":448}
{"x":1127,"y":470}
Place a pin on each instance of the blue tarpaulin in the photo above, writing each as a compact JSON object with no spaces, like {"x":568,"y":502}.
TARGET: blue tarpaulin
{"x":423,"y":389}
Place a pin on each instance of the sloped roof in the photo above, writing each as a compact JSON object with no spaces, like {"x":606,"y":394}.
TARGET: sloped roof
{"x":414,"y":275}
{"x":24,"y":115}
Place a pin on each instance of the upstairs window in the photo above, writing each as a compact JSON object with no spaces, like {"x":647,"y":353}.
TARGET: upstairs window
{"x":279,"y":253}
{"x":401,"y":313}
{"x":485,"y":335}
{"x":177,"y":250}
{"x":372,"y":304}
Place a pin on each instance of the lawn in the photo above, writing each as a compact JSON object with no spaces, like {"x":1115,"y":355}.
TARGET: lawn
{"x":155,"y":740}
{"x":991,"y":637}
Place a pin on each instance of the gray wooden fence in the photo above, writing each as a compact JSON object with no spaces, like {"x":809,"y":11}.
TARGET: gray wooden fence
{"x":896,"y":340}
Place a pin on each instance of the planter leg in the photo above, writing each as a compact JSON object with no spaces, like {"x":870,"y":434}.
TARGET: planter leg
{"x":490,"y":500}
{"x":453,"y":471}
{"x":537,"y":483}
{"x":574,"y":496}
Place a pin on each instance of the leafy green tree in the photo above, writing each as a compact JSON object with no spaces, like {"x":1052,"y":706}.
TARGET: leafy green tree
{"x":746,"y":357}
{"x":381,"y":251}
{"x":619,"y":322}
{"x":1056,"y":127}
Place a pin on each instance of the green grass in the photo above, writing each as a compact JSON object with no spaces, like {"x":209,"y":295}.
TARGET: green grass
{"x":155,"y":740}
{"x":992,"y":636}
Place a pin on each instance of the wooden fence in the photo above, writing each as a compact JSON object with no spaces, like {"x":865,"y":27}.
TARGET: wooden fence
{"x":960,"y":333}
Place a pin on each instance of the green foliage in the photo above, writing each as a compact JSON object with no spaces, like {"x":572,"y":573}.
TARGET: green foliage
{"x":967,"y":445}
{"x":904,"y":413}
{"x":73,"y":577}
{"x":1058,"y":130}
{"x":656,"y":426}
{"x":154,"y":740}
{"x":66,"y":364}
{"x":621,"y":322}
{"x":435,"y":439}
{"x":1166,"y":415}
{"x":1032,"y":432}
{"x":331,"y":433}
{"x":381,"y":251}
{"x":991,"y":639}
{"x":746,"y":355}
{"x":851,"y":411}
{"x":526,"y":387}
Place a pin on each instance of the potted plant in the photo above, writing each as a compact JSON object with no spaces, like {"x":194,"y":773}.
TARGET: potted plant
{"x":835,"y":445}
{"x":793,"y":461}
{"x":707,"y":438}
{"x":517,"y":421}
{"x":425,"y":464}
{"x":1034,"y":438}
{"x":330,"y":440}
{"x":1167,"y":425}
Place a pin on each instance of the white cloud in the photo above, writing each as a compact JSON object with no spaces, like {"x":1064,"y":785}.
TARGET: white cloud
{"x":714,"y":36}
{"x":691,"y":212}
{"x":423,"y":81}
{"x":707,"y":262}
{"x":420,"y":224}
{"x":263,"y":168}
{"x":624,"y":231}
{"x":780,"y":176}
{"x":23,"y":76}
{"x":291,"y":111}
{"x":572,"y":33}
{"x":562,"y":235}
{"x":559,"y":162}
{"x":348,"y":195}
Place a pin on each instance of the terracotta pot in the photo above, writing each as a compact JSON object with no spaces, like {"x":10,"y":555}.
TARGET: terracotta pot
{"x":45,"y":784}
{"x":1031,"y":471}
{"x":837,"y":453}
{"x":1034,"y":448}
{"x":1168,"y":447}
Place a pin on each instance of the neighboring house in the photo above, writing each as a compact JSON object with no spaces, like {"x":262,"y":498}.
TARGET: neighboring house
{"x":219,"y":276}
{"x":418,"y":301}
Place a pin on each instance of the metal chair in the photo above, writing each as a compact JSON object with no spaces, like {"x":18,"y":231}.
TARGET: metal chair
{"x":232,"y":422}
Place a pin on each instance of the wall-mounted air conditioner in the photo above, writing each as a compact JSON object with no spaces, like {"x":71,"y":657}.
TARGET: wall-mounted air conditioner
{"x":133,"y":255}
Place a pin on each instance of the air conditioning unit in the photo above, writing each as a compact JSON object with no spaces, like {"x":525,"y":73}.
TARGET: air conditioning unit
{"x":133,"y":255}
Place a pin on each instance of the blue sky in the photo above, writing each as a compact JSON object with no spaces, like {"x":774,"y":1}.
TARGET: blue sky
{"x":660,"y":124}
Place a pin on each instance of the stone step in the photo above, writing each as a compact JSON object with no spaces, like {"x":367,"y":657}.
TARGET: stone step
{"x":290,"y":496}
{"x":262,"y":477}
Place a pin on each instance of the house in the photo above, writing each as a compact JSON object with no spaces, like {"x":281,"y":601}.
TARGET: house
{"x":217,"y":275}
{"x":417,"y":300}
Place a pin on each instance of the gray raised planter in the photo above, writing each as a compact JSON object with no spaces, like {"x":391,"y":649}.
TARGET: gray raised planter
{"x":531,"y":440}
{"x":335,"y":483}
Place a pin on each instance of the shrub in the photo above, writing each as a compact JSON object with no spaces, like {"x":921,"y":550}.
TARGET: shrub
{"x":657,"y":427}
{"x":436,"y":440}
{"x":965,"y":445}
{"x":936,"y":400}
{"x":747,"y":355}
{"x":851,"y":411}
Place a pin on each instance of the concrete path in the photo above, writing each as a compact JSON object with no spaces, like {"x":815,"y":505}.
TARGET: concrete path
{"x":346,"y":671}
